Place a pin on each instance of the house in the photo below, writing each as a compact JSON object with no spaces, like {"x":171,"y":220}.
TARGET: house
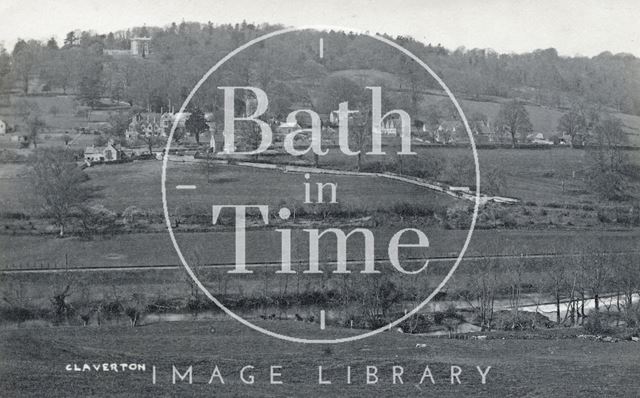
{"x":3,"y":127}
{"x":483,"y":133}
{"x":108,"y":153}
{"x":22,"y":139}
{"x":447,"y":131}
{"x":139,"y":48}
{"x":167,"y":119}
{"x":286,"y":128}
{"x":152,"y":124}
{"x":389,"y":127}
{"x":538,"y":138}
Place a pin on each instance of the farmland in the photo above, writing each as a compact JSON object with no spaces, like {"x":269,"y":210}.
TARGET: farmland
{"x":33,"y":360}
{"x":541,"y":176}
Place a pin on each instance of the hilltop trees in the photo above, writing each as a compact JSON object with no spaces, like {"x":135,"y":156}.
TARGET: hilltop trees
{"x":514,"y":119}
{"x":90,"y":85}
{"x":26,"y":57}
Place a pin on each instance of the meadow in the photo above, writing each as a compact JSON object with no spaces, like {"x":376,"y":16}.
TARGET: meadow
{"x":140,"y":249}
{"x":555,"y":176}
{"x":33,"y":361}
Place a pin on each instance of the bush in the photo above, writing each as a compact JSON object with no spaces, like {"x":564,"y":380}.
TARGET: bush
{"x":19,"y":314}
{"x":596,"y":323}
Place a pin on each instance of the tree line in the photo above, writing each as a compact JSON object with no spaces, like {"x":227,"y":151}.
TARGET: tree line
{"x":181,"y":53}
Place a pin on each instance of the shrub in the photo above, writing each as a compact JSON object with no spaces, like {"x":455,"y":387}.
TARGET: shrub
{"x":18,"y":314}
{"x":596,"y":323}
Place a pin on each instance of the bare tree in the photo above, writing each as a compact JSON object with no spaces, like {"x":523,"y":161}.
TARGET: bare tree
{"x":556,"y":280}
{"x":59,"y":186}
{"x":480,"y":288}
{"x":572,"y":123}
{"x":514,"y":119}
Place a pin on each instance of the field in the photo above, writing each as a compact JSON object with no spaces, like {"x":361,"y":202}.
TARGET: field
{"x":541,"y":176}
{"x":217,"y":248}
{"x":32,"y":361}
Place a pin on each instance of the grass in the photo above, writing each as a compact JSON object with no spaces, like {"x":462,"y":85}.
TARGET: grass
{"x":32,"y":363}
{"x":531,"y":175}
{"x":218,"y":248}
{"x":138,"y":184}
{"x":541,"y":176}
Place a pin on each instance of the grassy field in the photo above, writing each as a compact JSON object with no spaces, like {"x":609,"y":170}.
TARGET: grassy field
{"x":138,"y":184}
{"x":541,"y":176}
{"x":556,"y":175}
{"x":263,"y":246}
{"x":32,"y":363}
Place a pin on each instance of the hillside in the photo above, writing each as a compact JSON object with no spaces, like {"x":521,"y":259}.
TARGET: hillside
{"x":544,"y":118}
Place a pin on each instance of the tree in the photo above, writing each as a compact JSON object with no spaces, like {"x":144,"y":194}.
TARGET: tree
{"x":90,"y":86}
{"x":5,"y":69}
{"x":60,"y":187}
{"x":26,"y":57}
{"x":52,"y":44}
{"x":608,"y":159}
{"x":336,"y":90}
{"x":150,"y":141}
{"x":626,"y":280}
{"x":119,"y":123}
{"x":480,"y":289}
{"x":572,"y":123}
{"x":35,"y":125}
{"x":71,"y":39}
{"x":555,"y":281}
{"x":196,"y":124}
{"x":514,"y":118}
{"x":60,"y":69}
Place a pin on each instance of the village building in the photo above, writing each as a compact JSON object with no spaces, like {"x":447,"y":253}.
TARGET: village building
{"x":150,"y":125}
{"x":285,"y":128}
{"x":22,"y":139}
{"x":447,"y":132}
{"x":139,"y":47}
{"x":483,"y":133}
{"x":538,"y":138}
{"x":108,"y":153}
{"x":389,"y":127}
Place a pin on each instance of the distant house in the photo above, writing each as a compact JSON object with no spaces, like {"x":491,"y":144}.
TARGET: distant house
{"x":3,"y":127}
{"x":390,"y":127}
{"x":447,"y":131}
{"x":538,"y":138}
{"x":286,"y":128}
{"x":21,"y":139}
{"x":152,"y":124}
{"x":139,"y":48}
{"x":99,"y":126}
{"x":484,"y":133}
{"x":108,"y":153}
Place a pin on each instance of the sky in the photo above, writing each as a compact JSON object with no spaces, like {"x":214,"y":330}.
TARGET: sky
{"x":573,"y":27}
